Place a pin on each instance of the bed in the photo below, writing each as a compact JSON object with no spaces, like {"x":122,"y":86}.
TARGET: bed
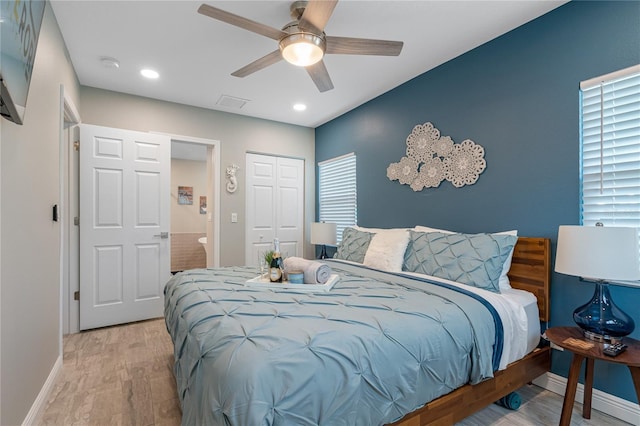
{"x":386,"y":345}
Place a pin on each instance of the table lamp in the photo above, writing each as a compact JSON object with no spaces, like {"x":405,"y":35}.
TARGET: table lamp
{"x":601,"y":255}
{"x":323,"y":233}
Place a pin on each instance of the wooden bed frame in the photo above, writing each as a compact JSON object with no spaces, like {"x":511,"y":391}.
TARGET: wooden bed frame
{"x":531,"y":271}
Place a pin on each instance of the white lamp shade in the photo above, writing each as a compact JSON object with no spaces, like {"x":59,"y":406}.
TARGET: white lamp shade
{"x":323,"y":233}
{"x":599,"y":253}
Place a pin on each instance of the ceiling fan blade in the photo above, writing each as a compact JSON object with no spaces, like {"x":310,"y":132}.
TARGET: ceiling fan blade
{"x":362,"y":46}
{"x":316,"y":15}
{"x":239,"y":21}
{"x":320,"y":76}
{"x":258,"y":64}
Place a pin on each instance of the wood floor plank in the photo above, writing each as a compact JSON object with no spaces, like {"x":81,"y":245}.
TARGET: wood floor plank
{"x":107,"y":406}
{"x":163,"y":388}
{"x":137,"y":406}
{"x":123,"y":375}
{"x":167,"y":412}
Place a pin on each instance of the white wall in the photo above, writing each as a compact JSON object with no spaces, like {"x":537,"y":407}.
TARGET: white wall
{"x":237,"y":135}
{"x":187,"y":217}
{"x":30,"y":244}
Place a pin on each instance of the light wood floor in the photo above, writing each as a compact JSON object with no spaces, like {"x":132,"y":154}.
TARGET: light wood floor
{"x":123,"y":376}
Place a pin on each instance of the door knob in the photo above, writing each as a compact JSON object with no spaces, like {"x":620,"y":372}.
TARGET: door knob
{"x":162,"y":235}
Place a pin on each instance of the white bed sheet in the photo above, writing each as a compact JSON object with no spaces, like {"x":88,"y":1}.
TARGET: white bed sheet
{"x":518,"y":310}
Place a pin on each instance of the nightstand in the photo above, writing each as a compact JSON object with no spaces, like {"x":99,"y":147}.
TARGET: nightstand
{"x":572,"y":340}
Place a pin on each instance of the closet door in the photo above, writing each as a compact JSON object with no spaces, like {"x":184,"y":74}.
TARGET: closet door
{"x":274,"y":205}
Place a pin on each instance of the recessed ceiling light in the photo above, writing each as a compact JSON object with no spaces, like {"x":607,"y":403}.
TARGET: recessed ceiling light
{"x":149,"y":73}
{"x":299,"y":107}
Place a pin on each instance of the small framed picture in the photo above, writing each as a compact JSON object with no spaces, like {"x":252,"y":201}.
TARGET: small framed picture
{"x":203,"y":204}
{"x":185,"y":195}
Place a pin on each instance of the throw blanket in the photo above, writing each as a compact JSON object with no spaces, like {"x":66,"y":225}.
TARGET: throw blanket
{"x":314,"y":272}
{"x":374,"y":348}
{"x":511,"y":401}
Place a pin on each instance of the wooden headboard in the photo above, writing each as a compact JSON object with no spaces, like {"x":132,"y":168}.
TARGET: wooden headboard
{"x":531,"y":270}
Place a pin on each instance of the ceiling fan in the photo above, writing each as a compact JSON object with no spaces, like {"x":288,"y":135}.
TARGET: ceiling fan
{"x":303,"y":42}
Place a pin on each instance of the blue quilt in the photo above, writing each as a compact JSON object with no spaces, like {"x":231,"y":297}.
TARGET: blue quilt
{"x":371,"y":350}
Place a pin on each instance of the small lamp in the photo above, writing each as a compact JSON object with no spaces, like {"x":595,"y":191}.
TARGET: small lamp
{"x":600,"y":254}
{"x":325,"y":234}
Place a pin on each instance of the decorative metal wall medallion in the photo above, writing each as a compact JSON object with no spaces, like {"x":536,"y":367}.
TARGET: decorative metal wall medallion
{"x":432,"y":158}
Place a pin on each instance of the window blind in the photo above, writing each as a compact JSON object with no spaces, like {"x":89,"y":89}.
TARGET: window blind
{"x":337,"y":192}
{"x":610,"y":157}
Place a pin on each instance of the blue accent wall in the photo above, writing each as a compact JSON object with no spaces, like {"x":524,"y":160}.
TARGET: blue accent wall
{"x":518,"y":97}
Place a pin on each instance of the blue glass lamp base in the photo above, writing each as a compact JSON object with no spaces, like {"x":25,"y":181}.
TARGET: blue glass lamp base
{"x":601,"y":319}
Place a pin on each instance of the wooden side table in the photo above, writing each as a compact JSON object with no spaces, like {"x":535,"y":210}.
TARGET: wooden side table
{"x":572,"y":340}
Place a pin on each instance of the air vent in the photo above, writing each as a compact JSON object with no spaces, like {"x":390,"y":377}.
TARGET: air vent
{"x":231,"y":102}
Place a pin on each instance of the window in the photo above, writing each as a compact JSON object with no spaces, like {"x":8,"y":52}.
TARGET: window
{"x":610,"y":157}
{"x":337,"y":193}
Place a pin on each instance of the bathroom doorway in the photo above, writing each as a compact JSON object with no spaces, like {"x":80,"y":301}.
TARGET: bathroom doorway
{"x":194,"y":202}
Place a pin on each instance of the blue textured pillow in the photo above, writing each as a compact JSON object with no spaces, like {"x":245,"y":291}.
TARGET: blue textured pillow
{"x":472,"y":259}
{"x":354,"y":245}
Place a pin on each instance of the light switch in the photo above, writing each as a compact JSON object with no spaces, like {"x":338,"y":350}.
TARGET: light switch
{"x":234,"y":217}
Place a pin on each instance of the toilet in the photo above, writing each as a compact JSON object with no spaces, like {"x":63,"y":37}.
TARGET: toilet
{"x":203,"y":241}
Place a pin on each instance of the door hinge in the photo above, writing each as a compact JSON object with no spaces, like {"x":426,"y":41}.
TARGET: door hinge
{"x":76,"y":146}
{"x":76,"y":221}
{"x":76,"y":295}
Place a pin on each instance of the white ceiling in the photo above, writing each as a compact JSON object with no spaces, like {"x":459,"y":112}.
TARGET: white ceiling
{"x":195,"y":54}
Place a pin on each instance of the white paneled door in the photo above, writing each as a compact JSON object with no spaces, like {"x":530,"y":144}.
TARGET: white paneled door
{"x":275,"y":205}
{"x":124,"y":225}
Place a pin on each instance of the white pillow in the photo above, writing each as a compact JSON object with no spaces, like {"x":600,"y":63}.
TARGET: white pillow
{"x":376,"y":230}
{"x":386,"y":249}
{"x":503,"y":281}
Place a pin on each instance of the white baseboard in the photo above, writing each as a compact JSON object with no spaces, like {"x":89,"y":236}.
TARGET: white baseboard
{"x":601,"y":401}
{"x":41,"y":401}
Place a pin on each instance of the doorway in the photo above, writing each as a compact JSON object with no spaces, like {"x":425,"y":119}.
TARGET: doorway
{"x":189,"y":201}
{"x":207,"y":151}
{"x":69,"y":238}
{"x":70,"y":309}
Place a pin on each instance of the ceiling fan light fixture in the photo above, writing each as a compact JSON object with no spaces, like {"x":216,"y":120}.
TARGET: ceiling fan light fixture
{"x":302,"y":49}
